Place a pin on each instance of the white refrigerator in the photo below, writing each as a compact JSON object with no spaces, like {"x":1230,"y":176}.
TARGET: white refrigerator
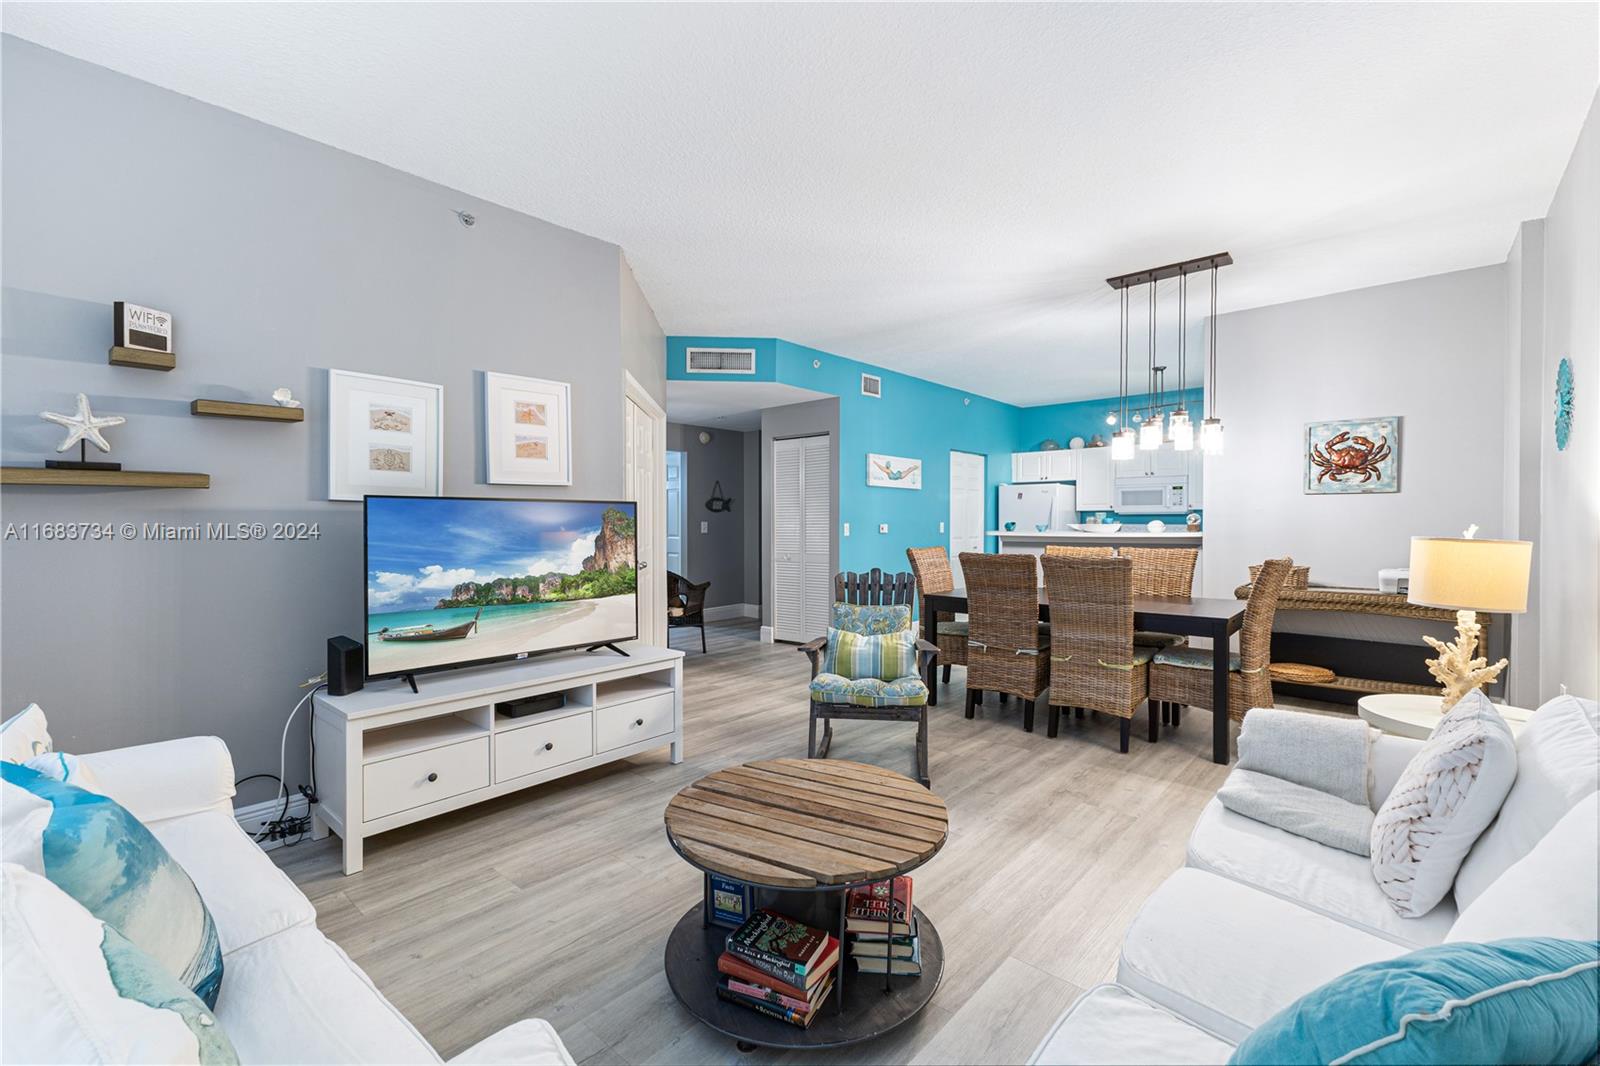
{"x":1038,"y":504}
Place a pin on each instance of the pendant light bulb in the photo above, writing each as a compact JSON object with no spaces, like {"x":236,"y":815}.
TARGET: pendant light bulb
{"x":1111,"y":419}
{"x":1122,"y":444}
{"x":1211,"y":436}
{"x":1182,"y":430}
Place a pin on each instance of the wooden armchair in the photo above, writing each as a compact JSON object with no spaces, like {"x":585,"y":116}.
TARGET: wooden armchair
{"x":841,"y":687}
{"x":686,"y":604}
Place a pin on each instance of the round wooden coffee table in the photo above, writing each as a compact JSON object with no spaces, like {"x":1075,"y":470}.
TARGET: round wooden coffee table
{"x":801,"y":833}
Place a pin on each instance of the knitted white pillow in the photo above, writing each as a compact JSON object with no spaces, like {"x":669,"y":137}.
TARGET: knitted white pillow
{"x":1450,"y":792}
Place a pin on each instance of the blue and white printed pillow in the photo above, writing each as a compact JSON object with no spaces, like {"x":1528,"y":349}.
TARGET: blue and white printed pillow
{"x":104,"y":857}
{"x":68,"y":769}
{"x":75,"y":990}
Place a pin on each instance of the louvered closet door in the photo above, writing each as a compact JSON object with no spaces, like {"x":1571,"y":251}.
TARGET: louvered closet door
{"x":788,"y":518}
{"x":817,"y":476}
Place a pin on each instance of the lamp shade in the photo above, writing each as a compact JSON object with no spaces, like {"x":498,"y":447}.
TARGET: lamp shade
{"x":1470,"y":575}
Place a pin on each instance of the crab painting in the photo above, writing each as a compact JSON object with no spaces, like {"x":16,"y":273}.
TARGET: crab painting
{"x":1352,"y":456}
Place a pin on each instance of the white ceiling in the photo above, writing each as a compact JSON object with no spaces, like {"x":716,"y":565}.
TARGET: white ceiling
{"x":940,"y":189}
{"x":730,"y":404}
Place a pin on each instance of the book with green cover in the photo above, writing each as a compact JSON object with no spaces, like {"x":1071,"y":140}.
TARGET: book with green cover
{"x":778,"y":944}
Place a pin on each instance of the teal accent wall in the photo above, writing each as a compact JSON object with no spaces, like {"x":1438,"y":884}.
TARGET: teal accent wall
{"x":913,"y":419}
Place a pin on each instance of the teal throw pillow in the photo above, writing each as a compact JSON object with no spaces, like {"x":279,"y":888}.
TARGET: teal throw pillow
{"x":885,"y":656}
{"x":1531,"y":999}
{"x":105,"y":858}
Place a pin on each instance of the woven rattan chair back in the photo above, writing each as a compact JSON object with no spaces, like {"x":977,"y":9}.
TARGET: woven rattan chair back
{"x":1162,"y":571}
{"x":875,"y":588}
{"x":1255,"y":635}
{"x":1080,"y":551}
{"x":1091,"y":610}
{"x":931,"y":567}
{"x":1002,"y":601}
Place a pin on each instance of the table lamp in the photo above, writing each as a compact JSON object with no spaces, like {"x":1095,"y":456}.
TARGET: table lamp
{"x":1468,"y":575}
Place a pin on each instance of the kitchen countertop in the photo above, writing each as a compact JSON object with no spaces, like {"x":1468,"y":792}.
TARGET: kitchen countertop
{"x":1135,"y":533}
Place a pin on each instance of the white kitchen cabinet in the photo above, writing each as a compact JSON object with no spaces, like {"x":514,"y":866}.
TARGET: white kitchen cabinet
{"x":1167,"y":460}
{"x":1061,"y":465}
{"x":1028,"y":466}
{"x":1094,"y":479}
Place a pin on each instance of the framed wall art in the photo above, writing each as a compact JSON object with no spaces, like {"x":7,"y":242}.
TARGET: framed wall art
{"x":894,"y":472}
{"x":527,"y":430}
{"x":385,"y":436}
{"x":1353,"y":455}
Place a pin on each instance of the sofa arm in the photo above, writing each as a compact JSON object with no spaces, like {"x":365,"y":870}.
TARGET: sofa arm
{"x":1387,"y":760}
{"x":531,"y":1041}
{"x":166,"y":780}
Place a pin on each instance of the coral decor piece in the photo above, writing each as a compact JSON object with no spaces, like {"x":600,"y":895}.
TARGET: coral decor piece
{"x":1456,"y":668}
{"x":83,"y":426}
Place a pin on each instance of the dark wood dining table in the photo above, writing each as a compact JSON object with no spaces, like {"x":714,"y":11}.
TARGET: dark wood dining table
{"x":1189,"y":616}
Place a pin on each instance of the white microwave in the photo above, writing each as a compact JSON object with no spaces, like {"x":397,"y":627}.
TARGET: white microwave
{"x":1150,"y":495}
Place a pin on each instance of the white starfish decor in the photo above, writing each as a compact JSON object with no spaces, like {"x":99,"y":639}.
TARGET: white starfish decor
{"x":83,"y":425}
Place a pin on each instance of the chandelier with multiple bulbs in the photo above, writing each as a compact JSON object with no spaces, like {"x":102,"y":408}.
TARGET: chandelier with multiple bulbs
{"x":1154,"y":426}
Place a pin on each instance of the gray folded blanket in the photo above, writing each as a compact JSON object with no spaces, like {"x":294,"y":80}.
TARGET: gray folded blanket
{"x":1296,"y":809}
{"x":1314,"y":750}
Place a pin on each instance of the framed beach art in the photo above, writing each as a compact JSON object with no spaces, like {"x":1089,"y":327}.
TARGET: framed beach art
{"x":527,"y":430}
{"x":1353,"y":455}
{"x":385,"y":436}
{"x":894,"y":472}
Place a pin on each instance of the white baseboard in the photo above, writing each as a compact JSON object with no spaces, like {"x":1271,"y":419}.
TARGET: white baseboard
{"x":253,"y":819}
{"x":725,"y":611}
{"x":766,"y":634}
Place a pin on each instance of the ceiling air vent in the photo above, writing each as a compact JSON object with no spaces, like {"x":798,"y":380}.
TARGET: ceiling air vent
{"x":872,"y":385}
{"x":721,"y":361}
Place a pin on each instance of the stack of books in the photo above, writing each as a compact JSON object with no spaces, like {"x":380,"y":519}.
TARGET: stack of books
{"x":779,"y":967}
{"x":883,"y":928}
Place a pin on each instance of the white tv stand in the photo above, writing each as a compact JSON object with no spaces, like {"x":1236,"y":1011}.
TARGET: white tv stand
{"x":387,"y":757}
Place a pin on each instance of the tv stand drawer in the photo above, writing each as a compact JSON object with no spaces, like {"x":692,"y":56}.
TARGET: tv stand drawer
{"x":407,"y":781}
{"x":620,"y":724}
{"x":530,"y":749}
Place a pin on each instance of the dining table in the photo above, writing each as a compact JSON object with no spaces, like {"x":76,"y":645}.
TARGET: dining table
{"x":1189,"y":616}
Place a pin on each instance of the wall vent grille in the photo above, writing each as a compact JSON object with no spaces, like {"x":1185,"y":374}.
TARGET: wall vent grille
{"x":872,"y":385}
{"x":721,"y":361}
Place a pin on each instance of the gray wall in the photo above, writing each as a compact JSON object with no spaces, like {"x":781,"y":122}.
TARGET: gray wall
{"x":815,"y":417}
{"x":1524,"y":400}
{"x":1432,"y":351}
{"x":754,"y":565}
{"x":279,"y":258}
{"x":717,"y":555}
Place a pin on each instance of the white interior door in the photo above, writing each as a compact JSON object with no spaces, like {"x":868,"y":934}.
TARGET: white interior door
{"x":645,"y":446}
{"x":675,"y":491}
{"x":802,"y":521}
{"x":968,"y":503}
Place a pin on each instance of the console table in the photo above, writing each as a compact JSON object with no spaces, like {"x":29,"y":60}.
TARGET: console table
{"x":387,"y":756}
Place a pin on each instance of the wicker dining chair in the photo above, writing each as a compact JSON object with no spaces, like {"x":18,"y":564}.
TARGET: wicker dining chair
{"x":1162,"y":572}
{"x":1006,"y":644}
{"x":931,"y":567}
{"x":1181,"y":677}
{"x":1094,"y":662}
{"x":686,"y":604}
{"x":1080,"y":551}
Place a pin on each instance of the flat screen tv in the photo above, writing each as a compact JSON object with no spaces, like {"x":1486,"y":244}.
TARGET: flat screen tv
{"x":455,"y":581}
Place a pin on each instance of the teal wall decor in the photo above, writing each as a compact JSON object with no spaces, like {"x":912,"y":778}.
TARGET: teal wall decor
{"x":1564,"y":404}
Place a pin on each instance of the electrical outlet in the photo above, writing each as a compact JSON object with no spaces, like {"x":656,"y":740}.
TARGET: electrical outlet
{"x":705,"y":527}
{"x":941,"y":527}
{"x":847,"y":529}
{"x":883,"y":527}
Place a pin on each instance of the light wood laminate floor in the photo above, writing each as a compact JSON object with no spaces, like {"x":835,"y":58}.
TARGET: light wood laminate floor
{"x":556,"y":902}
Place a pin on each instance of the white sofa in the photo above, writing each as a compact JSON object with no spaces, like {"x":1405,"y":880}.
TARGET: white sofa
{"x":289,"y":994}
{"x":1259,"y":917}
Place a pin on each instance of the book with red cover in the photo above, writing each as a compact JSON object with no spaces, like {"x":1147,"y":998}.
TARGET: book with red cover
{"x":873,"y":908}
{"x":733,"y":966}
{"x":781,"y":946}
{"x":762,"y":992}
{"x":749,"y":969}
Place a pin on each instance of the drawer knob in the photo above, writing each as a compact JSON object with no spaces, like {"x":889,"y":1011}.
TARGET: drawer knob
{"x":433,"y":777}
{"x":549,"y":746}
{"x":638,"y":721}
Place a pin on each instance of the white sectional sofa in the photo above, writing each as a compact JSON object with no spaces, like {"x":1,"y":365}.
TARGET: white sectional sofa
{"x":289,"y":994}
{"x":1259,"y":917}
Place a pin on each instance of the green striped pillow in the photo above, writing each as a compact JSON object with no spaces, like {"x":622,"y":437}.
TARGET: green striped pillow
{"x":885,"y":656}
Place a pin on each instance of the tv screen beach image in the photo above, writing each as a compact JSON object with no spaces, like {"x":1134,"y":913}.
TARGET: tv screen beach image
{"x":459,"y":580}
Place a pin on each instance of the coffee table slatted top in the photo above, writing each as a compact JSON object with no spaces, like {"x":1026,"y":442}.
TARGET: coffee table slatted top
{"x":807,"y":823}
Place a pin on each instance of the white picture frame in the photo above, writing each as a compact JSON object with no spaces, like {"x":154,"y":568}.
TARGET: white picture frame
{"x":385,"y":436}
{"x":893,"y":472}
{"x":527,"y":430}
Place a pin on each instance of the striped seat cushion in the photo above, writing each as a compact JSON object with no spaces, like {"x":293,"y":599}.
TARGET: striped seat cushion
{"x":1191,"y":658}
{"x":869,"y":691}
{"x":1159,"y":640}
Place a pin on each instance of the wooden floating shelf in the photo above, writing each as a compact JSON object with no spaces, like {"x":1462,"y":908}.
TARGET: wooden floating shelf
{"x":119,"y":479}
{"x":140,"y":359}
{"x":263,"y":412}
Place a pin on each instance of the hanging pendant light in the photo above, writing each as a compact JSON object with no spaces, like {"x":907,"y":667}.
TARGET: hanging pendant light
{"x":1150,"y":428}
{"x":1181,"y":429}
{"x":1122,"y":439}
{"x":1211,"y":428}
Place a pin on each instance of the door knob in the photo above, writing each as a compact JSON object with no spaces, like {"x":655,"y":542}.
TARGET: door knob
{"x":643,"y":566}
